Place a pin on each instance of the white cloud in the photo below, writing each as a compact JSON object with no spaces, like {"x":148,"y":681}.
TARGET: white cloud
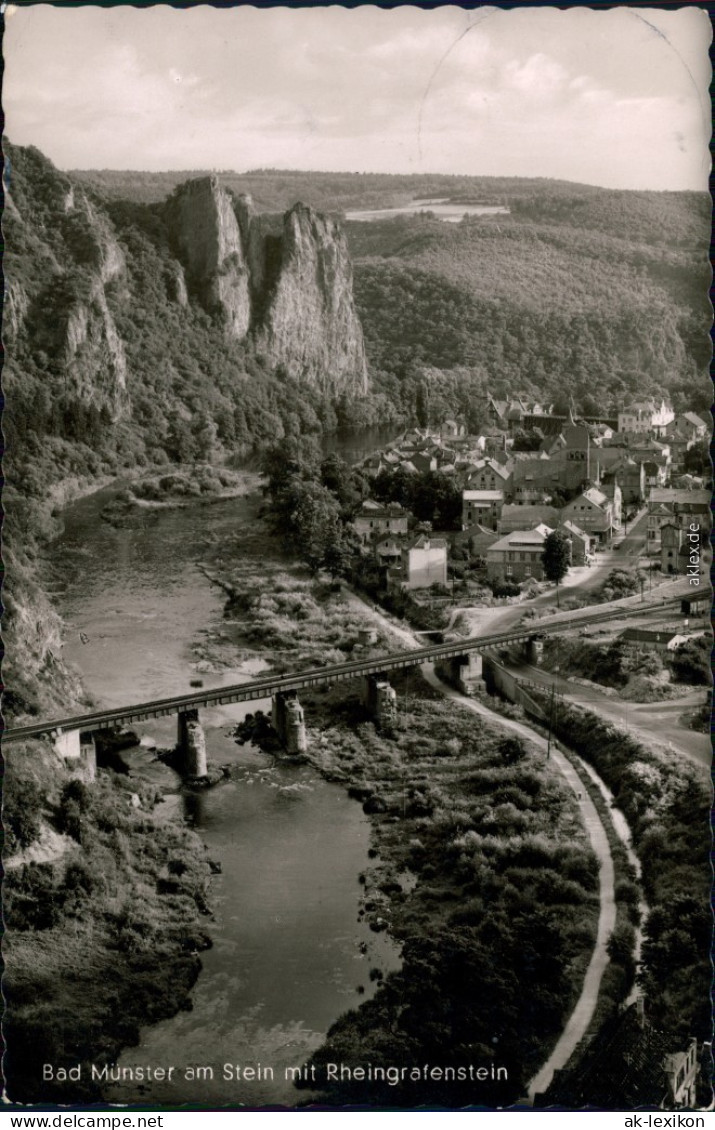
{"x":578,"y":93}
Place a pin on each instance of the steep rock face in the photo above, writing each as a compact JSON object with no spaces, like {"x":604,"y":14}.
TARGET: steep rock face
{"x":95,"y":360}
{"x":284,"y":283}
{"x":16,"y":304}
{"x":34,"y":672}
{"x":208,"y":240}
{"x":310,"y":326}
{"x":94,"y":356}
{"x":62,"y":258}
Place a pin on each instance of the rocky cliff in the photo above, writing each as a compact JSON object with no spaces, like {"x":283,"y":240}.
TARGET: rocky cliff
{"x":62,"y":256}
{"x":189,"y":331}
{"x":310,"y":326}
{"x":284,"y":285}
{"x":208,"y":242}
{"x":89,"y":281}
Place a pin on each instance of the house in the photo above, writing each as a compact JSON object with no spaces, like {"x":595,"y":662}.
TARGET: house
{"x":668,"y":504}
{"x":389,"y":552}
{"x":592,"y":512}
{"x":497,"y":410}
{"x":379,"y":518}
{"x":573,"y":444}
{"x":579,"y":540}
{"x":424,"y":564}
{"x":534,"y":480}
{"x":481,"y":506}
{"x":685,"y":431}
{"x":645,"y":417}
{"x":450,"y":429}
{"x":654,"y":639}
{"x":527,"y":517}
{"x":659,"y":515}
{"x":683,"y":550}
{"x":424,"y":460}
{"x":630,"y":476}
{"x":488,"y":474}
{"x":517,"y":556}
{"x":671,"y":540}
{"x":688,"y":428}
{"x":478,"y":538}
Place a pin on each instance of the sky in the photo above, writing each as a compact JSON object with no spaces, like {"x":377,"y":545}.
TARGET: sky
{"x":616,"y":97}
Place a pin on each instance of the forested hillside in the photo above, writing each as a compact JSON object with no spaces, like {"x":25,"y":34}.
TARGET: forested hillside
{"x":121,"y":354}
{"x":114,"y":357}
{"x":606,"y":300}
{"x":595,"y":292}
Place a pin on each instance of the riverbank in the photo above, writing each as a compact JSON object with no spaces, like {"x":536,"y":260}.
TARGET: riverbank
{"x":177,"y":488}
{"x":461,"y":819}
{"x":103,"y":904}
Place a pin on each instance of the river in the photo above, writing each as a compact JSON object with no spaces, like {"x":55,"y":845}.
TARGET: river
{"x":289,"y":954}
{"x":450,"y":212}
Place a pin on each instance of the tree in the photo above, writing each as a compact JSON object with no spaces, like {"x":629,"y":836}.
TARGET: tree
{"x":315,"y":527}
{"x":697,"y":458}
{"x":556,"y":558}
{"x":347,"y":486}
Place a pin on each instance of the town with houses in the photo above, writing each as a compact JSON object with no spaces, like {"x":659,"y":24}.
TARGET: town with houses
{"x":531,"y":472}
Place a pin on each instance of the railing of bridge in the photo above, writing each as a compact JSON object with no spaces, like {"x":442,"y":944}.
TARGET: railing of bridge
{"x":267,"y":686}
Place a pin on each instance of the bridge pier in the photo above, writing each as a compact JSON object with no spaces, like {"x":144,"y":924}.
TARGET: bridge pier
{"x":381,"y":701}
{"x":534,"y":650}
{"x":287,"y":721}
{"x":465,"y":671}
{"x":191,"y":744}
{"x":78,"y":751}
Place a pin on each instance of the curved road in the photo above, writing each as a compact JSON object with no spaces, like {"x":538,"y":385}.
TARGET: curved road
{"x":580,"y":1018}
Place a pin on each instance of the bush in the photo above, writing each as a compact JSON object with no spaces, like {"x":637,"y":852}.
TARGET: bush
{"x":74,"y":801}
{"x":504,"y":588}
{"x":21,"y":813}
{"x":31,"y":900}
{"x":691,"y":661}
{"x":512,"y":750}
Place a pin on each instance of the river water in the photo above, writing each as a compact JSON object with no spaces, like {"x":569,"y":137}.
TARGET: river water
{"x":289,"y":953}
{"x":447,"y":211}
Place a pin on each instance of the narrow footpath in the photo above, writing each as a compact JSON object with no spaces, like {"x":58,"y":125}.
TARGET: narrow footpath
{"x":580,"y":1018}
{"x":577,"y":1024}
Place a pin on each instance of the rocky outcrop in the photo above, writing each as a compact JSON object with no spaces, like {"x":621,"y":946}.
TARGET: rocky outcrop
{"x":310,"y":327}
{"x":95,"y":361}
{"x":284,"y":283}
{"x":35,"y":675}
{"x":16,"y":305}
{"x":94,"y":355}
{"x":207,"y":237}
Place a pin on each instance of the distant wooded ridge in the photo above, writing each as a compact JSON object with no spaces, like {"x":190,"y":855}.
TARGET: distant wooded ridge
{"x":280,"y":188}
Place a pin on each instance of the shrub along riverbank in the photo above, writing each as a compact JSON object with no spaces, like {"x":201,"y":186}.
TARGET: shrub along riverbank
{"x":666,"y":803}
{"x":103,"y":902}
{"x":484,"y":874}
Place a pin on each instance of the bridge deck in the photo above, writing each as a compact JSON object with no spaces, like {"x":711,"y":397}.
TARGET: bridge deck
{"x":275,"y":684}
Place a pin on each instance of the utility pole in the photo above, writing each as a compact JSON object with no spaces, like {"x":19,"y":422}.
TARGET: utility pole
{"x":551,"y":720}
